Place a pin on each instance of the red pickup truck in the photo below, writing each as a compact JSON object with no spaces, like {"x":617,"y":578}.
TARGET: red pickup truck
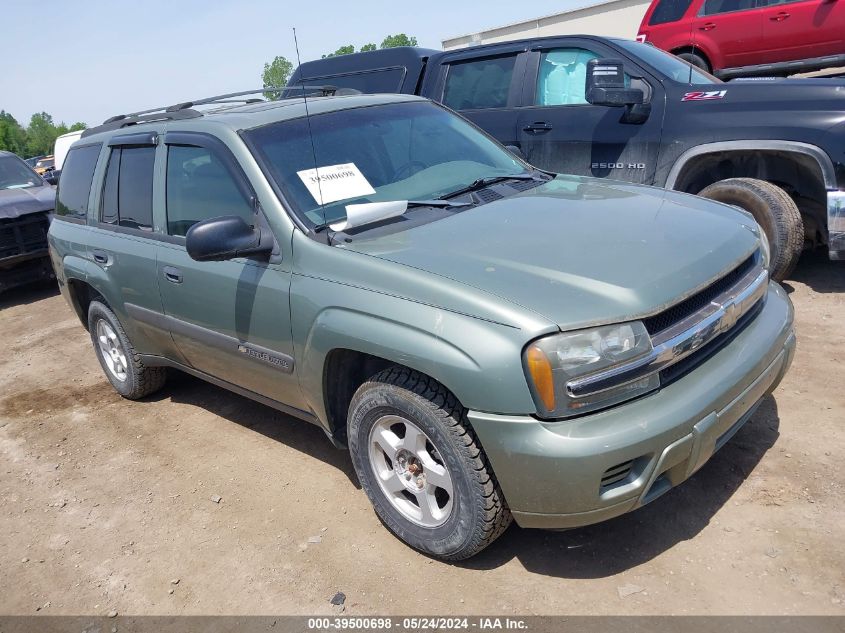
{"x":749,"y":38}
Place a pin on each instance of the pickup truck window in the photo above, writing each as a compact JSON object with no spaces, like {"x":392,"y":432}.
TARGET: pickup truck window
{"x":75,"y":185}
{"x":563,"y":77}
{"x":667,"y":64}
{"x":128,"y":188}
{"x":405,"y":151}
{"x":479,"y":83}
{"x":200,"y":187}
{"x":376,"y":81}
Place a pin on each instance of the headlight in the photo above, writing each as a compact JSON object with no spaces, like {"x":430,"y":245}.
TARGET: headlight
{"x":765,"y":250}
{"x":553,"y":365}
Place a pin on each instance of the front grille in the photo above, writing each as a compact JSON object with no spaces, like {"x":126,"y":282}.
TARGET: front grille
{"x":678,"y":312}
{"x":26,"y":234}
{"x":616,"y":474}
{"x":683,"y":367}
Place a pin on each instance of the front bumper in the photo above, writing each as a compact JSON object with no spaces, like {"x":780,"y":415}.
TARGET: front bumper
{"x":836,"y":224}
{"x":582,"y":471}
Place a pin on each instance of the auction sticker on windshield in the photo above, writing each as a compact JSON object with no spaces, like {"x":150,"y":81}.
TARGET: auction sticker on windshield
{"x":335,"y":182}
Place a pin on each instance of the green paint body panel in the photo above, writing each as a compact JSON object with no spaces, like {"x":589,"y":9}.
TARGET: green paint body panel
{"x":457,"y":299}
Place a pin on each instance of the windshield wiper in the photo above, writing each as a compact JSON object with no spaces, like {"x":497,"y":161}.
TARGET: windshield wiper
{"x":439,"y":203}
{"x":480,"y":183}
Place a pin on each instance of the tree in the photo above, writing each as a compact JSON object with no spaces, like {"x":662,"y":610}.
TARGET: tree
{"x":12,"y":135}
{"x":41,"y":134}
{"x":392,"y":41}
{"x":276,"y":75}
{"x":343,"y":50}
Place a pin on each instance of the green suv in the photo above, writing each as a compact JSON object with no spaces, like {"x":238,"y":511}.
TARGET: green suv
{"x":489,"y":341}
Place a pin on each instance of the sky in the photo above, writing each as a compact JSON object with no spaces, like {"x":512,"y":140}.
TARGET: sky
{"x":91,"y":59}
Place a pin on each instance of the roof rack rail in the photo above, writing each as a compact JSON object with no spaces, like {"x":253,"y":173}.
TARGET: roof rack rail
{"x":172,"y":112}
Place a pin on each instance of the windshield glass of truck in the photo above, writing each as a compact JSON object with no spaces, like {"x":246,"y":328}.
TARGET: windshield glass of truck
{"x":668,"y":64}
{"x":400,"y":151}
{"x":14,"y":174}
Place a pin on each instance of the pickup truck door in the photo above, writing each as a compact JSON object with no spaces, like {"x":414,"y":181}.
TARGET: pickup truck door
{"x":229,"y":319}
{"x":559,"y":131}
{"x":484,"y":87}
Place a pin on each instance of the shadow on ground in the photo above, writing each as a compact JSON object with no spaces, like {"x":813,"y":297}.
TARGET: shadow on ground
{"x":24,"y":295}
{"x":620,"y":544}
{"x":297,"y":434}
{"x":596,"y":551}
{"x":819,"y":273}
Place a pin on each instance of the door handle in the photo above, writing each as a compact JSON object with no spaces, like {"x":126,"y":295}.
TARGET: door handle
{"x":780,"y":17}
{"x":173,"y":275}
{"x":538,"y":126}
{"x":709,"y":26}
{"x":101,"y":257}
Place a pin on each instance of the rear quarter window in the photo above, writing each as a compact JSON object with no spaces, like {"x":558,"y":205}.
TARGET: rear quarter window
{"x":669,"y":11}
{"x":75,"y":182}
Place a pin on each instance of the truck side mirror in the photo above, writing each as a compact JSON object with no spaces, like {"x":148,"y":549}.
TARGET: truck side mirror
{"x":606,"y":84}
{"x":226,"y":237}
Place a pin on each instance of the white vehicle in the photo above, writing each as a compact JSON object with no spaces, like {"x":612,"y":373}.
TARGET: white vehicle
{"x":63,"y":144}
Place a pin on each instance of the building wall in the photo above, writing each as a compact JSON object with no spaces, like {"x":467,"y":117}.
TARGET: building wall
{"x":620,"y":18}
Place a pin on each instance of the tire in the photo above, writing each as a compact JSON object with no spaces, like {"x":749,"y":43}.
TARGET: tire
{"x":118,"y":358}
{"x":774,"y":211}
{"x":696,"y":60}
{"x":402,"y":402}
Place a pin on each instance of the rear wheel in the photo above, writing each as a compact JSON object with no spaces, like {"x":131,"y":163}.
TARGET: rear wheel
{"x":696,"y":60}
{"x":118,"y":358}
{"x":421,"y":466}
{"x":774,"y":211}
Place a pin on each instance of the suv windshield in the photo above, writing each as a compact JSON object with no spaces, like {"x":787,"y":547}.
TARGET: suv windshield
{"x":666,"y":63}
{"x":400,"y":151}
{"x":14,"y":174}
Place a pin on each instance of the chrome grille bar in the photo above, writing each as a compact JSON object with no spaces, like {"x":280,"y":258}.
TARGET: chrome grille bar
{"x":683,"y":338}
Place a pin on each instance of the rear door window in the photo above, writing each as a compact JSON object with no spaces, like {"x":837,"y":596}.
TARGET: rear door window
{"x":128,"y":188}
{"x":715,"y":7}
{"x":75,"y":183}
{"x":669,"y":11}
{"x":479,"y":83}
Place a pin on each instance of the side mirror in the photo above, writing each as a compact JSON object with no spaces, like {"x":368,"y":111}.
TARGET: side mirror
{"x":52,"y":177}
{"x":606,"y":84}
{"x":226,"y":237}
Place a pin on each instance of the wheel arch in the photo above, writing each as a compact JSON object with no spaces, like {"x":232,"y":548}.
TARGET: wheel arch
{"x":346,"y":347}
{"x":805,"y":171}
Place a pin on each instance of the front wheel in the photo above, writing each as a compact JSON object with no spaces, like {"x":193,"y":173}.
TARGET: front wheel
{"x":775,"y":212}
{"x":421,"y":466}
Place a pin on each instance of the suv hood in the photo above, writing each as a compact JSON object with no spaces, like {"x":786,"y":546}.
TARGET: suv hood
{"x":17,"y":202}
{"x":579,"y":251}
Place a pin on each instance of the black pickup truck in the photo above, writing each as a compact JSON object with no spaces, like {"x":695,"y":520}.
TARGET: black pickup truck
{"x":626,"y":110}
{"x":26,"y":200}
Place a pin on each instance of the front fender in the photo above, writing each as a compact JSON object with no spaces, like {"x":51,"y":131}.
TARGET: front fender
{"x":479,"y":361}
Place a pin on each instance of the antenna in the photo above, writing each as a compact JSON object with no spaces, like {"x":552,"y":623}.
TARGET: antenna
{"x":311,"y":137}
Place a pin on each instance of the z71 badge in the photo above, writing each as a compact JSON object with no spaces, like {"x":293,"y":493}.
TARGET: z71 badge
{"x":705,"y":96}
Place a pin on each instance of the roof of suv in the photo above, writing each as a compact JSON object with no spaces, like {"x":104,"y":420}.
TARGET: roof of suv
{"x":251,"y":115}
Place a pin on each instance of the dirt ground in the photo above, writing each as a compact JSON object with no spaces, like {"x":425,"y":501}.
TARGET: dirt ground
{"x":106,"y":504}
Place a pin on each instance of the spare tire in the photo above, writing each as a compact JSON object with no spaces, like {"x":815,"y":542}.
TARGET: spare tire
{"x":774,"y":211}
